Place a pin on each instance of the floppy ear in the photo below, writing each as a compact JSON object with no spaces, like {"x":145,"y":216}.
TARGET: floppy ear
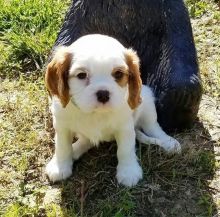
{"x":134,"y":80}
{"x":56,"y":77}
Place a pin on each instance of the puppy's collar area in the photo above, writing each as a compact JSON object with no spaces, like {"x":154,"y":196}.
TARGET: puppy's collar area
{"x":73,"y":101}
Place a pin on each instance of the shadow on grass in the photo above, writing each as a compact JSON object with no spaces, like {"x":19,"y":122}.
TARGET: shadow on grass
{"x":172,"y":185}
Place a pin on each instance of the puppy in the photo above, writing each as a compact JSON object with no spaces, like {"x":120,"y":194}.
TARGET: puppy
{"x":97,"y":96}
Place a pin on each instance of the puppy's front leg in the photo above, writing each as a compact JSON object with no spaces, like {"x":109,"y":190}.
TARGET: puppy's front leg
{"x":60,"y":166}
{"x":129,"y":171}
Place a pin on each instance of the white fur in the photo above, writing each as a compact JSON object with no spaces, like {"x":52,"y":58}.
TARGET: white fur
{"x":92,"y":122}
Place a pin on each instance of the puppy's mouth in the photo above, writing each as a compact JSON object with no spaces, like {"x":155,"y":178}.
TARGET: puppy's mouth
{"x":103,"y":107}
{"x":99,"y":107}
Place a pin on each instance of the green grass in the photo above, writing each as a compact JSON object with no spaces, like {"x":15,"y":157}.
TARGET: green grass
{"x":181,"y":185}
{"x":27,"y":32}
{"x":197,"y":8}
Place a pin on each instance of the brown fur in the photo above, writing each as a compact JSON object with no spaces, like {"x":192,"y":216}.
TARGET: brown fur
{"x":124,"y":80}
{"x":56,"y":76}
{"x":134,"y":79}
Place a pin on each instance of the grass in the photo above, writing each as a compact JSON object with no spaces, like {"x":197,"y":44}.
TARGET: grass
{"x":182,"y":185}
{"x":27,"y":31}
{"x":197,"y":8}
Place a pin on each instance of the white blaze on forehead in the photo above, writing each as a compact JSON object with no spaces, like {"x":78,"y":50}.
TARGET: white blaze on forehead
{"x":97,"y":45}
{"x":97,"y":52}
{"x":97,"y":64}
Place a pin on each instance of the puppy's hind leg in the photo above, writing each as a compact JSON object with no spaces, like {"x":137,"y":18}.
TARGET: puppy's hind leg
{"x":146,"y":120}
{"x":81,"y":146}
{"x":154,"y":134}
{"x":143,"y":138}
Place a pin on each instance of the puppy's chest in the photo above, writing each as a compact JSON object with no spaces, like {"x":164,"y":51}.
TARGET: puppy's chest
{"x":97,"y":130}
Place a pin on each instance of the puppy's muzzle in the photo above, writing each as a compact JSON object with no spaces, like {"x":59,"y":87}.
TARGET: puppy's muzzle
{"x":103,"y":96}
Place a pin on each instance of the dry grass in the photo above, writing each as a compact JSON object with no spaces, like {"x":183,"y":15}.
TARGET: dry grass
{"x":182,"y":185}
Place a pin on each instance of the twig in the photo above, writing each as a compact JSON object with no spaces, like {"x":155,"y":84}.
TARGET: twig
{"x":82,"y":198}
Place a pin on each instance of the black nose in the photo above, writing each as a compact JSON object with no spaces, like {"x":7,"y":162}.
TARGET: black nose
{"x":103,"y":96}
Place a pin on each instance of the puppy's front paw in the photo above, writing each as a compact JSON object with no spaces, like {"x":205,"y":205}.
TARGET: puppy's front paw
{"x":129,"y":174}
{"x":171,"y":145}
{"x":58,"y":171}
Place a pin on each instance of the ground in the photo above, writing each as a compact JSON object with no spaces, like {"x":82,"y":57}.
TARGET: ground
{"x":183,"y":185}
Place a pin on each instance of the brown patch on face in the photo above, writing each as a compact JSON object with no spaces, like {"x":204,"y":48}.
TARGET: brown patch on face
{"x":56,"y":77}
{"x":134,"y":79}
{"x":121,"y":76}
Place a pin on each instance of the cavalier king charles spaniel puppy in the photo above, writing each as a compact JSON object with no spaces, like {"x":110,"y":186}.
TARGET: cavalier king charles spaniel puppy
{"x":97,"y":96}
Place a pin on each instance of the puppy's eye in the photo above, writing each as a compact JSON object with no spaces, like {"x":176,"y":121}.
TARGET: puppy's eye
{"x":82,"y":75}
{"x":118,"y":75}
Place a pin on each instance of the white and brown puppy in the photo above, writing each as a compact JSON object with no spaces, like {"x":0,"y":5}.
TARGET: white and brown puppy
{"x":97,"y":96}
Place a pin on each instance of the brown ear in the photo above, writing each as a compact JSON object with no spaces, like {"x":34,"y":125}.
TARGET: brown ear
{"x":134,"y":80}
{"x":56,"y":76}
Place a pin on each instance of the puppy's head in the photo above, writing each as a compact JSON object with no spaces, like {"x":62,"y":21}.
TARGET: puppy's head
{"x":96,"y":73}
